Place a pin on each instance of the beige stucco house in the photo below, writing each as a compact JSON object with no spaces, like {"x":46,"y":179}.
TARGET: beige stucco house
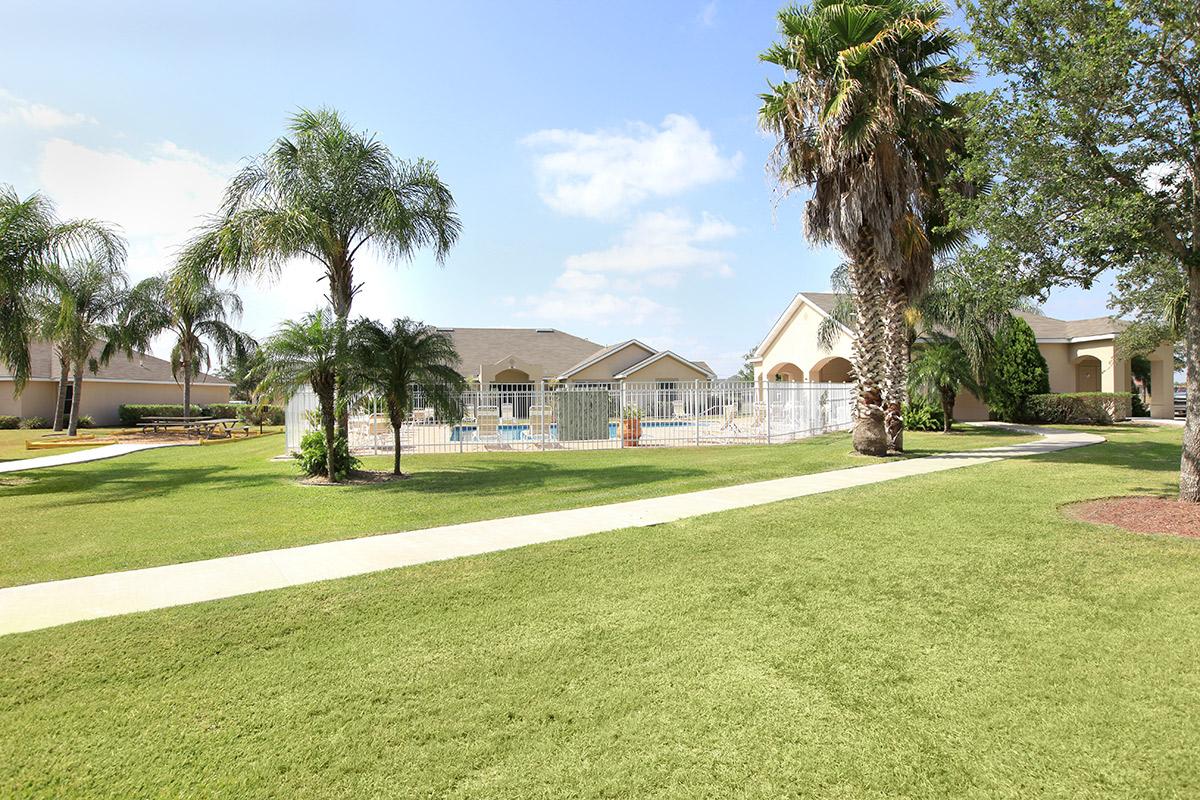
{"x":141,"y":379}
{"x":1081,"y":355}
{"x":523,"y":357}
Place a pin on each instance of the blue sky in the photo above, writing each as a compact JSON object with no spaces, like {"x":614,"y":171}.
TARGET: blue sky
{"x":605,"y":158}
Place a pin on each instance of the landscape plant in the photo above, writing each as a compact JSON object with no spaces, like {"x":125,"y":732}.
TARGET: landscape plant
{"x":939,"y":372}
{"x":1016,"y":372}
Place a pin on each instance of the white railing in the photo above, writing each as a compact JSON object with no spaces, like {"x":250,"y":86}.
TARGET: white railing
{"x":566,"y":416}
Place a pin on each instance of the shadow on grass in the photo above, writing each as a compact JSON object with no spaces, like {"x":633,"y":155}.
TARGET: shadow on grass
{"x":109,"y":482}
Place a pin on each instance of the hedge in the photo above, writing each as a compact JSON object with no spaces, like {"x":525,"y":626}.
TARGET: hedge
{"x":8,"y":423}
{"x":133,"y":413}
{"x":1091,"y":408}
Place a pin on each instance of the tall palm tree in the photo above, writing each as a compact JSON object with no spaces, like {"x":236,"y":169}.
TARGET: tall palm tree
{"x":83,"y":303}
{"x":308,"y":352}
{"x":325,"y":192}
{"x":854,"y":72}
{"x":199,"y":317}
{"x":940,"y":371}
{"x":393,"y":360}
{"x":32,"y":239}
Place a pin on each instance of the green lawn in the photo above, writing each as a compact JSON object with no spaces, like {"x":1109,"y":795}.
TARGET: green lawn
{"x":12,"y":443}
{"x":187,"y":503}
{"x":950,"y":635}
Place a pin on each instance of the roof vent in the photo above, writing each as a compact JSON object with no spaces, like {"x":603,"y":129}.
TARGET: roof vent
{"x":445,"y":330}
{"x":545,"y":330}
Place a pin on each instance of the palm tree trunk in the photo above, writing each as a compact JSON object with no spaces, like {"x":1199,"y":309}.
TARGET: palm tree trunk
{"x":341,"y":295}
{"x":866,"y":291}
{"x":75,"y":397}
{"x":187,"y":390}
{"x":1189,"y":462}
{"x":64,"y":371}
{"x":396,"y":444}
{"x":896,"y":363}
{"x":327,"y":424}
{"x":948,"y":411}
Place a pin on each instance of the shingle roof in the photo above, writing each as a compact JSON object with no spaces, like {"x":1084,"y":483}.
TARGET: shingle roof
{"x":554,"y":350}
{"x":143,"y":367}
{"x":1043,"y":327}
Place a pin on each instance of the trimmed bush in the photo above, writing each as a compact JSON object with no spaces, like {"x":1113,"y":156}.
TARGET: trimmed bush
{"x":34,"y":423}
{"x":311,"y":457}
{"x":1140,"y":409}
{"x":85,"y":421}
{"x":133,"y":413}
{"x":920,"y":416}
{"x":268,"y":415}
{"x":1017,"y":372}
{"x":1087,"y":408}
{"x":9,"y":423}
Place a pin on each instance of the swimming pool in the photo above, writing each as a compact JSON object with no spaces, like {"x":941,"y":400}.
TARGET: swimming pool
{"x":516,"y":433}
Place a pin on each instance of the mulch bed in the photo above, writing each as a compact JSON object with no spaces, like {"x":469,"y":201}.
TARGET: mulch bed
{"x":359,"y":477}
{"x":1141,"y":514}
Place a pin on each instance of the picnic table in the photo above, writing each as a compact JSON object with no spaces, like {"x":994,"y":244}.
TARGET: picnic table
{"x":204,"y":425}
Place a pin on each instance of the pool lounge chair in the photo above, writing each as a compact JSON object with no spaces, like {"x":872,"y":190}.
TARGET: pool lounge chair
{"x":506,"y":413}
{"x":729,"y":422}
{"x":539,"y":424}
{"x":487,"y":424}
{"x":677,"y":410}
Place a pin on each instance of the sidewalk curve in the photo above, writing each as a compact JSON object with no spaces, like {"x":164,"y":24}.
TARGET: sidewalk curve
{"x":83,"y":456}
{"x":42,"y":605}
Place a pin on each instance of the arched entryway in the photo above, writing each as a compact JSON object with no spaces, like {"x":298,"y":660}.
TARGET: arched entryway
{"x":785,"y":371}
{"x":834,"y":369}
{"x":1087,"y":374}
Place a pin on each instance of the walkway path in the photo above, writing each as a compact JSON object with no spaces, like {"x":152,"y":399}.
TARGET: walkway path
{"x":82,"y":456}
{"x":41,"y":605}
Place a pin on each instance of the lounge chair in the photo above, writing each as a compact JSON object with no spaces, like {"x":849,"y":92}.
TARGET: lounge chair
{"x":677,"y":410}
{"x":539,"y":424}
{"x":506,"y":413}
{"x":729,"y":418}
{"x":487,"y":424}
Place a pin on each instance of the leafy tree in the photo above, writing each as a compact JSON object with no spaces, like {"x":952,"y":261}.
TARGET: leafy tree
{"x":859,"y":77}
{"x":1017,"y":371}
{"x":939,"y":372}
{"x":199,"y":317}
{"x":324,"y":192}
{"x":245,"y":371}
{"x":746,"y":373}
{"x":32,"y":240}
{"x":1095,"y":141}
{"x":393,"y":360}
{"x":308,"y":352}
{"x":82,"y":303}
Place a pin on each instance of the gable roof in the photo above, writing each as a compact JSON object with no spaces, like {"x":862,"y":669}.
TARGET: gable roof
{"x":822,"y":302}
{"x":141,"y":368}
{"x":551,"y":348}
{"x":663,"y":354}
{"x":603,"y":353}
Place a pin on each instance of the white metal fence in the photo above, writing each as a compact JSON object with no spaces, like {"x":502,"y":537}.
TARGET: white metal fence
{"x":571,"y":416}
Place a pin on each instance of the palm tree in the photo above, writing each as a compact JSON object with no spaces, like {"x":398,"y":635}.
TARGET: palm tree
{"x":308,"y":352}
{"x":325,"y":193}
{"x":940,"y":371}
{"x":841,"y":122}
{"x":82,"y":307}
{"x":32,"y":239}
{"x":199,"y":317}
{"x":394,"y":360}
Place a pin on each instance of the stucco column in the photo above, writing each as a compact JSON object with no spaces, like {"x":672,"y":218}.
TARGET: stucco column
{"x":1162,"y":385}
{"x":1109,"y":373}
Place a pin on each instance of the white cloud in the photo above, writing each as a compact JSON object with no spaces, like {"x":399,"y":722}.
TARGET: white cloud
{"x":660,"y":247}
{"x":17,"y":110}
{"x":604,"y":173}
{"x":157,"y":199}
{"x":708,"y":14}
{"x":605,"y":309}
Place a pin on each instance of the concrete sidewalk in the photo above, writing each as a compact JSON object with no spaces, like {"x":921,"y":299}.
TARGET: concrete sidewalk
{"x":82,"y":456}
{"x":42,"y":605}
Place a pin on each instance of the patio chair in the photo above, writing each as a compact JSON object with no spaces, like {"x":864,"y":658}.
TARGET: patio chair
{"x":539,"y":424}
{"x":506,"y":413}
{"x":487,"y":426}
{"x":758,"y":423}
{"x":469,"y":414}
{"x":729,"y":418}
{"x":677,"y":410}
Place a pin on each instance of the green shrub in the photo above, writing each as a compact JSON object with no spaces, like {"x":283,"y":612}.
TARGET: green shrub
{"x":133,"y":413}
{"x":1139,"y":409}
{"x":34,"y":423}
{"x":311,"y":457}
{"x":265,"y":415}
{"x":919,"y":416}
{"x":9,"y":423}
{"x":1087,"y":408}
{"x":85,"y":421}
{"x":1017,"y":372}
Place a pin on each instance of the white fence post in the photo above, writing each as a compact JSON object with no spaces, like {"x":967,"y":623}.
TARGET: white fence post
{"x":696,"y":407}
{"x":767,"y":402}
